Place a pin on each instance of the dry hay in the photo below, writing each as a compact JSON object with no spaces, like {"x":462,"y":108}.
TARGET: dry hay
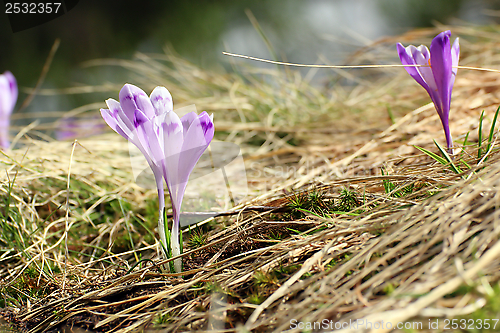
{"x":395,"y":256}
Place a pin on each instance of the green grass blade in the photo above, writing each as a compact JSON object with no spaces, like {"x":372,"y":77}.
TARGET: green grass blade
{"x":387,"y":183}
{"x":466,"y":140}
{"x":466,"y":164}
{"x":136,"y":219}
{"x":492,"y":129}
{"x":127,"y":228}
{"x":432,"y":155}
{"x":480,"y":136}
{"x":310,"y":212}
{"x":391,"y":115}
{"x":447,"y":157}
{"x":181,"y":242}
{"x":338,"y":212}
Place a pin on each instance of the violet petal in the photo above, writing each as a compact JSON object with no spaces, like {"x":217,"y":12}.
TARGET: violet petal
{"x":8,"y":93}
{"x":406,"y":57}
{"x":441,"y":64}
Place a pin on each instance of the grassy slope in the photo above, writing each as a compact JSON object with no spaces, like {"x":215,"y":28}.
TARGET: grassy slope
{"x":365,"y":225}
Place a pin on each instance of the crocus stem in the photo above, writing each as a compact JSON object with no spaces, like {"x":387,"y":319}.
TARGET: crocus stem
{"x":176,"y":249}
{"x":174,"y":240}
{"x":4,"y":133}
{"x":161,"y":220}
{"x":449,"y":141}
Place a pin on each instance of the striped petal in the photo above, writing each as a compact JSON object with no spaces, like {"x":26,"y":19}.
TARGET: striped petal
{"x":406,"y":57}
{"x":133,"y":98}
{"x":161,"y":100}
{"x":187,"y":120}
{"x":196,"y":141}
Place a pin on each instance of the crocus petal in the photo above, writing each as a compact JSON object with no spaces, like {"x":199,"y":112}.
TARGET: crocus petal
{"x":133,"y":98}
{"x":161,"y":100}
{"x":143,"y":131}
{"x":406,"y":57}
{"x":113,"y":119}
{"x":187,"y":120}
{"x":121,"y":123}
{"x":8,"y":93}
{"x":196,"y":141}
{"x":422,"y":56}
{"x":13,"y":88}
{"x":171,"y":129}
{"x":455,"y":54}
{"x":441,"y":64}
{"x":116,"y":111}
{"x":8,"y":98}
{"x":154,"y":140}
{"x":112,"y":122}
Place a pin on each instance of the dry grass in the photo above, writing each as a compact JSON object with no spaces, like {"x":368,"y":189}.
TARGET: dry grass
{"x":341,"y":241}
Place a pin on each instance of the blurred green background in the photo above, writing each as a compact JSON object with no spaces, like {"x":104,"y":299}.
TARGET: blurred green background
{"x":299,"y":31}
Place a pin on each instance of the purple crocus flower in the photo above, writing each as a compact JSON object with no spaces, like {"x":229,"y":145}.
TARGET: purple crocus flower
{"x":437,"y":79}
{"x":71,"y":128}
{"x":171,"y":145}
{"x":8,"y":99}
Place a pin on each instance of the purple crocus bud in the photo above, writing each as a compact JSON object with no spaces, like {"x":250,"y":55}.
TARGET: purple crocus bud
{"x":8,"y":99}
{"x":172,"y":146}
{"x":438,"y":79}
{"x":128,"y":118}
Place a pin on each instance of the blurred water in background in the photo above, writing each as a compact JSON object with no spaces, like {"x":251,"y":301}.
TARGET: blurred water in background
{"x":299,"y":31}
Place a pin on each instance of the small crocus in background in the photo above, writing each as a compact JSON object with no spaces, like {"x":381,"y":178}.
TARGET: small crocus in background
{"x":171,"y":145}
{"x":69,"y":128}
{"x":438,"y":79}
{"x":8,"y":99}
